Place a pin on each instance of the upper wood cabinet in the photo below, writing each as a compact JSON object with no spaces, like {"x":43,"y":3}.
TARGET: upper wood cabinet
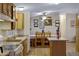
{"x":9,"y":11}
{"x":20,"y":20}
{"x":5,"y":8}
{"x":1,"y":7}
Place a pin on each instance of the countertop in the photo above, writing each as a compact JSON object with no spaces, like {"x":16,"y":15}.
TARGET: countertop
{"x":21,"y":38}
{"x":54,"y":38}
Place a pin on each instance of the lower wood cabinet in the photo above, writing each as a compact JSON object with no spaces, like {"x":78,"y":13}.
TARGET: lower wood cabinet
{"x":58,"y":47}
{"x":24,"y":43}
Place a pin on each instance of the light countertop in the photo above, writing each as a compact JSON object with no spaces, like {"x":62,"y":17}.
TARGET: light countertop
{"x":54,"y":38}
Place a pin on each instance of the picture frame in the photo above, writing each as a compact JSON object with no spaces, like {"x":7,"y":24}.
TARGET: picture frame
{"x":35,"y":22}
{"x":57,"y":23}
{"x":48,"y":21}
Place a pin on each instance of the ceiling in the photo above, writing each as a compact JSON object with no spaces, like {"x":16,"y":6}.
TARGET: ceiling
{"x":34,"y":8}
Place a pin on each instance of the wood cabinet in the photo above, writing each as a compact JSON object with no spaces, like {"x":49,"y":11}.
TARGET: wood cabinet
{"x":20,"y":21}
{"x":77,"y":33}
{"x":1,"y":7}
{"x":9,"y":11}
{"x":24,"y":43}
{"x":12,"y":14}
{"x":58,"y":47}
{"x":5,"y":8}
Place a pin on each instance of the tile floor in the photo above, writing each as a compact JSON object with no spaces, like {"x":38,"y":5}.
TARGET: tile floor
{"x":39,"y":52}
{"x":70,"y":51}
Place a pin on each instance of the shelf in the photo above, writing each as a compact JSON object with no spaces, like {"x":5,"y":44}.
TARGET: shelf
{"x":6,"y":18}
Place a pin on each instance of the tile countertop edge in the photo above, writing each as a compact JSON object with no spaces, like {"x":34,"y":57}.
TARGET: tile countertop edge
{"x":19,"y":38}
{"x":61,"y":39}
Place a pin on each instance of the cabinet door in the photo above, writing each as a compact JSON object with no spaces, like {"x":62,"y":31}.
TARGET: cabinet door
{"x":77,"y":33}
{"x":20,"y":20}
{"x":9,"y":9}
{"x":1,"y":7}
{"x":5,"y":8}
{"x":58,"y":48}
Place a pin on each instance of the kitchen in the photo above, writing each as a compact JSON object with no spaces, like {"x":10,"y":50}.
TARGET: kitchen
{"x":29,"y":30}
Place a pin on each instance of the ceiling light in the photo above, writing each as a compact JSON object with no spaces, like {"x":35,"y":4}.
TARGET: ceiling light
{"x":54,"y":3}
{"x":40,"y":13}
{"x":43,"y":18}
{"x":20,"y":8}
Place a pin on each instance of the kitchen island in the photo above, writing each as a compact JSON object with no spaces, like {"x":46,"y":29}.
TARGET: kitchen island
{"x":57,"y":46}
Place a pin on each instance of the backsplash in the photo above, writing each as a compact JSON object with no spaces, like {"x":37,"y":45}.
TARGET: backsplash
{"x":9,"y":33}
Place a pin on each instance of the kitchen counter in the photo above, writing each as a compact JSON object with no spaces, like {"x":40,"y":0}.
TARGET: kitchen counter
{"x":54,"y":38}
{"x":21,"y":39}
{"x":16,"y":41}
{"x":9,"y":48}
{"x":9,"y":43}
{"x":57,"y":46}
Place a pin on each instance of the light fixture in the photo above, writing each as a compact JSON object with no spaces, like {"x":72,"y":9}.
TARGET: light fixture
{"x":44,"y":16}
{"x":40,"y":13}
{"x":20,"y":8}
{"x":56,"y":3}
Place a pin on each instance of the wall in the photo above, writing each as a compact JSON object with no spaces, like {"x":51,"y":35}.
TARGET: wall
{"x":66,"y":29}
{"x":63,"y":25}
{"x":70,"y":31}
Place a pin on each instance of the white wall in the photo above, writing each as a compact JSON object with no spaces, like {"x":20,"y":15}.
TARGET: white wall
{"x":63,"y":25}
{"x":66,"y":29}
{"x":70,"y":31}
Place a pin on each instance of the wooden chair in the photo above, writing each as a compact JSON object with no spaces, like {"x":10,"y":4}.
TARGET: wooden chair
{"x":47,"y":34}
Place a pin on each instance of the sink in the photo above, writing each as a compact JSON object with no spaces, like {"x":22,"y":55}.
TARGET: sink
{"x":10,"y":46}
{"x":13,"y":48}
